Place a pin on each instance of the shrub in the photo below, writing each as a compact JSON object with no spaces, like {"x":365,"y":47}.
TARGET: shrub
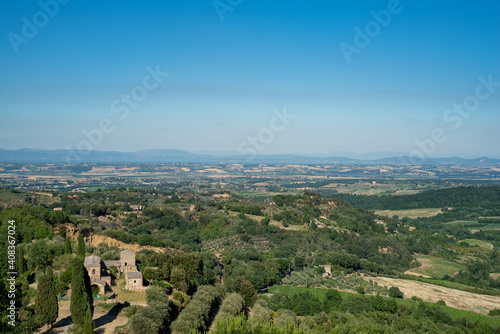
{"x":178,"y":295}
{"x":285,"y":317}
{"x":360,"y":290}
{"x":494,"y":312}
{"x":394,"y":292}
{"x":260,"y":313}
{"x":231,"y":306}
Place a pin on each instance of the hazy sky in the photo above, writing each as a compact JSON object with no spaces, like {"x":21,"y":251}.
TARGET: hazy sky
{"x":357,"y":76}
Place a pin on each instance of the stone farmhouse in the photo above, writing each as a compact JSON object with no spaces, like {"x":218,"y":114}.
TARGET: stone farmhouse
{"x":99,"y":271}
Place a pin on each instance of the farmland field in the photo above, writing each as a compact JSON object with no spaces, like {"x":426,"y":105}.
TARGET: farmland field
{"x":413,"y":213}
{"x":367,"y":188}
{"x":463,"y":222}
{"x":431,"y":293}
{"x":494,"y":226}
{"x":479,"y":243}
{"x":435,"y":267}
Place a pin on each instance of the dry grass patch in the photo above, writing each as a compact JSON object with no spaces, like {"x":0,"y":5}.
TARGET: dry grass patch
{"x":431,"y":293}
{"x":123,"y":295}
{"x":479,"y":243}
{"x":413,"y":213}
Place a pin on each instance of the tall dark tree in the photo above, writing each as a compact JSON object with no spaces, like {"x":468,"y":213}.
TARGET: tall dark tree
{"x":21,"y":262}
{"x":67,"y":246}
{"x":81,"y":293}
{"x":46,"y":307}
{"x":246,"y":289}
{"x":89,"y":326}
{"x":81,"y":246}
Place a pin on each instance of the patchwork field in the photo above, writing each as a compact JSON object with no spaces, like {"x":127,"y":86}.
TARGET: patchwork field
{"x":434,"y":267}
{"x":413,"y":213}
{"x":367,"y":188}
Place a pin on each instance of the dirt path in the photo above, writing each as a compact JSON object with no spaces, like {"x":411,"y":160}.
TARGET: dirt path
{"x":432,"y":293}
{"x":426,"y":263}
{"x":105,"y":322}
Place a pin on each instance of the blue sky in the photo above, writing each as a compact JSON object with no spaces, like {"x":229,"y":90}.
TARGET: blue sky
{"x":225,"y":77}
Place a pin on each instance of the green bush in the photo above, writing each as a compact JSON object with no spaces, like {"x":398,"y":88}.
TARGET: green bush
{"x":260,"y":313}
{"x":360,"y":290}
{"x":178,"y":295}
{"x":394,"y":292}
{"x":231,"y":306}
{"x":494,"y":312}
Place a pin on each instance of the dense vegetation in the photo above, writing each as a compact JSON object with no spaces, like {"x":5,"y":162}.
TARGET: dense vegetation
{"x":224,"y":253}
{"x":485,"y":197}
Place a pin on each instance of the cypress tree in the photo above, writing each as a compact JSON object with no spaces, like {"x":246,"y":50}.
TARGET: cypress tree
{"x":81,"y":246}
{"x":46,"y":307}
{"x":42,"y":293}
{"x":67,"y":246}
{"x":21,"y":262}
{"x":52,"y":304}
{"x":89,"y":326}
{"x":81,"y":293}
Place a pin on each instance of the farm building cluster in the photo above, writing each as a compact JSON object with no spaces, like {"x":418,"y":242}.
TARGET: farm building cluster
{"x":100,"y":271}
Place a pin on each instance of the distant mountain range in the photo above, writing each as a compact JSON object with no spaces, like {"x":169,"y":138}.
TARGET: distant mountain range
{"x":180,"y":156}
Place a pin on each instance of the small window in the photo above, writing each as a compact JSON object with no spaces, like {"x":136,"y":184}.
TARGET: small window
{"x":93,"y":271}
{"x":135,"y":281}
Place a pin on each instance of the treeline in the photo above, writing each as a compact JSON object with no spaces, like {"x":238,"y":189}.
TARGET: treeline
{"x":197,"y":313}
{"x":249,"y":209}
{"x":156,"y":316}
{"x":485,"y":197}
{"x":185,"y":271}
{"x":231,"y":306}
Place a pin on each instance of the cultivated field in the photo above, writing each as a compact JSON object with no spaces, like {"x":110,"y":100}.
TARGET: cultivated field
{"x":455,"y":298}
{"x":434,"y":267}
{"x":479,"y":243}
{"x":413,"y":213}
